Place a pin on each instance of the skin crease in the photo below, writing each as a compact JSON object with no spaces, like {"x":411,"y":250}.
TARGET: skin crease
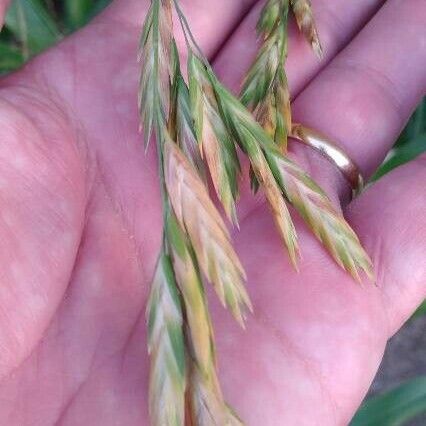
{"x":80,"y":223}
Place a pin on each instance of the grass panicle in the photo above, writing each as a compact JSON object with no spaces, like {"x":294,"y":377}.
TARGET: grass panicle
{"x":195,"y":236}
{"x":201,"y":121}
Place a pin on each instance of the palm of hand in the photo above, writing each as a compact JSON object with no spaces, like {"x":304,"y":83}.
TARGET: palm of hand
{"x":81,"y":229}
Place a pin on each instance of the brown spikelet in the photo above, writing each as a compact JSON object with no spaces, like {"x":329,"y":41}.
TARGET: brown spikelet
{"x":302,"y":10}
{"x":199,"y":218}
{"x":166,"y":348}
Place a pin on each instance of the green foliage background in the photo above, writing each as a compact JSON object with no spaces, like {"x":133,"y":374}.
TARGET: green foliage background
{"x":33,"y":25}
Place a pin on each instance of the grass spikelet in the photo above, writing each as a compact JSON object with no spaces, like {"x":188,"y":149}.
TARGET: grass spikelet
{"x":327,"y":223}
{"x":302,"y":10}
{"x":192,"y":290}
{"x":248,"y":134}
{"x":215,"y":142}
{"x":166,"y":348}
{"x":206,"y":406}
{"x":265,"y":89}
{"x":154,"y":54}
{"x":197,"y":215}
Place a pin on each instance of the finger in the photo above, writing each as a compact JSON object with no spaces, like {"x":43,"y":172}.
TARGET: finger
{"x":364,"y":97}
{"x":390,"y":218}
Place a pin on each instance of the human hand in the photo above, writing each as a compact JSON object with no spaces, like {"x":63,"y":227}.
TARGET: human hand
{"x":81,"y":223}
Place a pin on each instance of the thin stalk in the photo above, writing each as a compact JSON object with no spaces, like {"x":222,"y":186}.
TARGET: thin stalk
{"x":160,"y":126}
{"x":187,"y":31}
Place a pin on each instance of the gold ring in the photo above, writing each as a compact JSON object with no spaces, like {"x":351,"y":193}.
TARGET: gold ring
{"x":332,"y":152}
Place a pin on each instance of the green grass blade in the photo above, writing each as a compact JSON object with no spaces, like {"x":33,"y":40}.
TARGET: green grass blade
{"x":99,"y":6}
{"x":395,"y":407}
{"x":403,"y":154}
{"x":11,"y":57}
{"x":32,"y":25}
{"x":421,"y":310}
{"x":416,"y":124}
{"x":78,"y":12}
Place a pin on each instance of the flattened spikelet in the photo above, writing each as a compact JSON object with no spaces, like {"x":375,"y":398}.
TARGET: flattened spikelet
{"x":166,"y":348}
{"x":277,"y":204}
{"x":206,"y":404}
{"x":265,"y":89}
{"x":180,"y":121}
{"x":154,"y":54}
{"x":215,"y":142}
{"x":192,"y":290}
{"x":251,"y":138}
{"x":302,"y":10}
{"x":297,"y":187}
{"x":328,"y":225}
{"x":197,"y":215}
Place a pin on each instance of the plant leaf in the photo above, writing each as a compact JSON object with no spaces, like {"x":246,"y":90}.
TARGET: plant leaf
{"x":11,"y":57}
{"x":402,"y":154}
{"x":32,"y":25}
{"x":421,"y":311}
{"x":395,"y":407}
{"x":77,"y":12}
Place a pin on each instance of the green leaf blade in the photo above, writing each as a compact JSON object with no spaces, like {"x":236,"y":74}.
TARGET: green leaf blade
{"x":395,"y":407}
{"x":31,"y":24}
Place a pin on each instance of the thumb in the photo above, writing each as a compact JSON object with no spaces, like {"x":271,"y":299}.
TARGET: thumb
{"x":390,"y":216}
